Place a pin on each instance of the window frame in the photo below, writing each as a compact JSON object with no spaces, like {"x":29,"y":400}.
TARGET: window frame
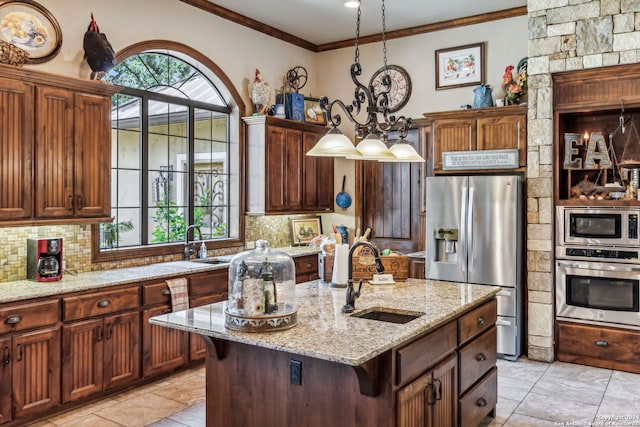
{"x":237,"y":111}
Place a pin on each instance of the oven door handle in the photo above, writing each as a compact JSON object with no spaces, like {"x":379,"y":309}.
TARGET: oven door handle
{"x":596,"y":266}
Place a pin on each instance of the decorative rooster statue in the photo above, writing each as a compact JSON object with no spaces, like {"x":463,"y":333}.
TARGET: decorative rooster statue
{"x":97,"y":50}
{"x":260,"y":94}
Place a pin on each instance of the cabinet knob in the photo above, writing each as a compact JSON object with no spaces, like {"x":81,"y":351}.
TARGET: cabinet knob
{"x":309,"y":265}
{"x":166,"y":292}
{"x":480,"y":357}
{"x":13,"y":320}
{"x":481,"y":402}
{"x":602,"y":343}
{"x":481,"y":320}
{"x":104,"y":303}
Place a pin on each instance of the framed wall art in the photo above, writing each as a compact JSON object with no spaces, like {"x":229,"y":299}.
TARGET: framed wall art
{"x":313,"y":113}
{"x":29,"y":26}
{"x":460,"y":66}
{"x":305,"y":229}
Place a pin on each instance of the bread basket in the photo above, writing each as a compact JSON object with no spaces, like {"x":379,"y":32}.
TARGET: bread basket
{"x":12,"y":54}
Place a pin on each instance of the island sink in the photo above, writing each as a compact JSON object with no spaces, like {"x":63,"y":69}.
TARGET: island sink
{"x":388,"y":315}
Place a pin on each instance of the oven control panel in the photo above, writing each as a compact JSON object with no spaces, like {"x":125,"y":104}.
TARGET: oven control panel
{"x":597,"y":253}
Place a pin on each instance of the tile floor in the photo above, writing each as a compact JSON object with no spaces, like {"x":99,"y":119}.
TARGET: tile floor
{"x":529,"y":394}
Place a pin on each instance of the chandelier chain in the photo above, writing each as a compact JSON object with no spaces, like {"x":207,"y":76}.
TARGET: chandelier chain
{"x":357,"y":54}
{"x":384,"y":38}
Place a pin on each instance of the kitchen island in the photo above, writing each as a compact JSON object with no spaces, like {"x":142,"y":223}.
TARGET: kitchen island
{"x":339,"y":369}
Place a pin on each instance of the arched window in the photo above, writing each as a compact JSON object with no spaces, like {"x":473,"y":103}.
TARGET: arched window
{"x":175,"y":156}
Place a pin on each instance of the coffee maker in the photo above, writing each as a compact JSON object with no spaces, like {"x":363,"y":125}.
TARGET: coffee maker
{"x":44,"y":259}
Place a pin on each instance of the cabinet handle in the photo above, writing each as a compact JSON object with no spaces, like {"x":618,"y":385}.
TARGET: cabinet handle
{"x":19,"y":359}
{"x":100,"y":334}
{"x":481,"y":402}
{"x":79,"y":200}
{"x":437,"y":389}
{"x":104,"y":303}
{"x":70,"y":202}
{"x":109,"y":331}
{"x":481,"y":320}
{"x":13,"y":320}
{"x":602,"y":343}
{"x":7,"y":355}
{"x":480,"y":357}
{"x":166,"y":292}
{"x":431,"y":394}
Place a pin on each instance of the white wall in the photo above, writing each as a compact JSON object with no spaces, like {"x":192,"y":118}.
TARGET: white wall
{"x":506,"y":43}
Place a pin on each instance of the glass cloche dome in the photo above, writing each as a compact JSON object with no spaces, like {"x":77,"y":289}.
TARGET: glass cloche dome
{"x":261,"y":290}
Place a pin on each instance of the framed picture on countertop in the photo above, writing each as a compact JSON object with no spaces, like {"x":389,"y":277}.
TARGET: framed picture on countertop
{"x":304,"y":230}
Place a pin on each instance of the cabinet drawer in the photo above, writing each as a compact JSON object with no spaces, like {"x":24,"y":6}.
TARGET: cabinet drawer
{"x":211,"y":282}
{"x":156,"y":293}
{"x":599,"y":341}
{"x":476,"y":358}
{"x":100,"y":303}
{"x":480,"y":400}
{"x":478,"y":320}
{"x":306,"y":265}
{"x":29,"y":315}
{"x":410,"y":359}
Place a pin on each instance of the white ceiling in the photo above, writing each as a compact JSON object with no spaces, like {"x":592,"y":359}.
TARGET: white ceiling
{"x":326,"y":21}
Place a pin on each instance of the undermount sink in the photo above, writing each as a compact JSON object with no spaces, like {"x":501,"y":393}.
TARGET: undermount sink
{"x":211,"y":261}
{"x":388,"y":315}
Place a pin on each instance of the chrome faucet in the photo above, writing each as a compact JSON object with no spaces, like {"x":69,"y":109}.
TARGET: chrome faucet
{"x":351,"y":293}
{"x":190,"y":248}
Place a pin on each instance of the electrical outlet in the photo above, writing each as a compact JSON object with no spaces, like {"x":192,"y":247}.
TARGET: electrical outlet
{"x":295,"y":372}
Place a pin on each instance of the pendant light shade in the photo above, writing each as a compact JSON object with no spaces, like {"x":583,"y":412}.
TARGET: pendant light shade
{"x":372,"y":148}
{"x":404,"y":152}
{"x":333,"y":144}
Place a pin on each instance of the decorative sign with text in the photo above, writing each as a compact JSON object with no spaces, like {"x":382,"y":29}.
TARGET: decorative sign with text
{"x":481,"y":159}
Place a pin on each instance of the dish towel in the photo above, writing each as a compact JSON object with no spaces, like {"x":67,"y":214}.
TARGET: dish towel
{"x":179,"y":294}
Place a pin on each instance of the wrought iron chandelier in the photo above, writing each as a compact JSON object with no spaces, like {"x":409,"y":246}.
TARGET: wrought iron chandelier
{"x":373,"y":131}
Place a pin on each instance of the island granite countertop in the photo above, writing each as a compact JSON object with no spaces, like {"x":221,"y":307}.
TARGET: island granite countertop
{"x":324,"y":332}
{"x":19,"y":290}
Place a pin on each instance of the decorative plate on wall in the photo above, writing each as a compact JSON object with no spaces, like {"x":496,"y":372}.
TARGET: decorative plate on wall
{"x":29,"y":26}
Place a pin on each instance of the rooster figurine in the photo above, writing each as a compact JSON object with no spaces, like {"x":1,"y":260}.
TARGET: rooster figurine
{"x":260,"y":94}
{"x":97,"y":50}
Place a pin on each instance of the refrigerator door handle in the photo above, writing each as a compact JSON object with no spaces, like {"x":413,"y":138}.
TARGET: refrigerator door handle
{"x":463,"y":229}
{"x":469,"y":231}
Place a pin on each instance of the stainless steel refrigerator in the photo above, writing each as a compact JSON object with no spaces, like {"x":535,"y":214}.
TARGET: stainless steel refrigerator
{"x":474,"y":235}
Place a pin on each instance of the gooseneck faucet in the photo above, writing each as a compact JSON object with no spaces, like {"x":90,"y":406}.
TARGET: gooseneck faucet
{"x":189,"y":248}
{"x":351,"y":293}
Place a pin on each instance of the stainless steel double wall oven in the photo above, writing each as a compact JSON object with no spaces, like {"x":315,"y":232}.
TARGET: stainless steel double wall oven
{"x":597,"y":265}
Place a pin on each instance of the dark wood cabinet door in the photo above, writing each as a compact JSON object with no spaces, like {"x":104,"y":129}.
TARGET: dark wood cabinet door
{"x":121,"y":349}
{"x":318,"y":177}
{"x":92,"y":154}
{"x":5,"y":380}
{"x":417,"y":268}
{"x":36,"y":371}
{"x":452,"y":135}
{"x":275,"y":197}
{"x":16,"y":146}
{"x":445,"y":383}
{"x":506,"y":132}
{"x":293,"y":170}
{"x":197,"y":346}
{"x":163,"y":349}
{"x":54,"y":191}
{"x":82,"y":359}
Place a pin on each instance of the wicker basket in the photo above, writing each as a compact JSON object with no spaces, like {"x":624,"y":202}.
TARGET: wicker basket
{"x":12,"y":54}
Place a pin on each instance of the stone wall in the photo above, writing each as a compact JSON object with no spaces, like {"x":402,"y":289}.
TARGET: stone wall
{"x":564,"y":35}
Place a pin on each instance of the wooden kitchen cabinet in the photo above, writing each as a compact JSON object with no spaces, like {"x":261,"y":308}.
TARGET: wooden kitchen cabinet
{"x":281,"y":178}
{"x":417,"y":268}
{"x":16,"y":140}
{"x":56,"y":162}
{"x":5,"y":380}
{"x":163,"y":350}
{"x":100,"y":342}
{"x":306,"y":268}
{"x":496,"y":128}
{"x":206,"y":288}
{"x":432,"y":399}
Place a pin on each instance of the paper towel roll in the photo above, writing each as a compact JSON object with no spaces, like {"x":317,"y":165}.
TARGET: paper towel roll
{"x":340,"y":266}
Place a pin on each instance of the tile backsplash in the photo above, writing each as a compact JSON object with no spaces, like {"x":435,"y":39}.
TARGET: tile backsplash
{"x":76,"y":245}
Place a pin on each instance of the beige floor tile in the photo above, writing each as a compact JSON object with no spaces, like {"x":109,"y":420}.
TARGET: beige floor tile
{"x":142,"y":410}
{"x":522,"y":369}
{"x":90,"y":420}
{"x":623,"y":410}
{"x":82,"y":411}
{"x":140,"y":391}
{"x":44,"y":423}
{"x":580,"y":391}
{"x":504,"y":409}
{"x":194,"y":416}
{"x":579,"y":372}
{"x":624,"y":385}
{"x":519,"y":420}
{"x":513,"y":388}
{"x":187,"y":391}
{"x":556,"y":409}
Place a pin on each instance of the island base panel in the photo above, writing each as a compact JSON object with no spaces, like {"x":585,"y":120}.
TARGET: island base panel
{"x":251,"y":386}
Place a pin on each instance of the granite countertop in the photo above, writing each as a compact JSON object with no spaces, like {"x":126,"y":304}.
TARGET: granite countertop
{"x":324,"y":332}
{"x":26,"y":289}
